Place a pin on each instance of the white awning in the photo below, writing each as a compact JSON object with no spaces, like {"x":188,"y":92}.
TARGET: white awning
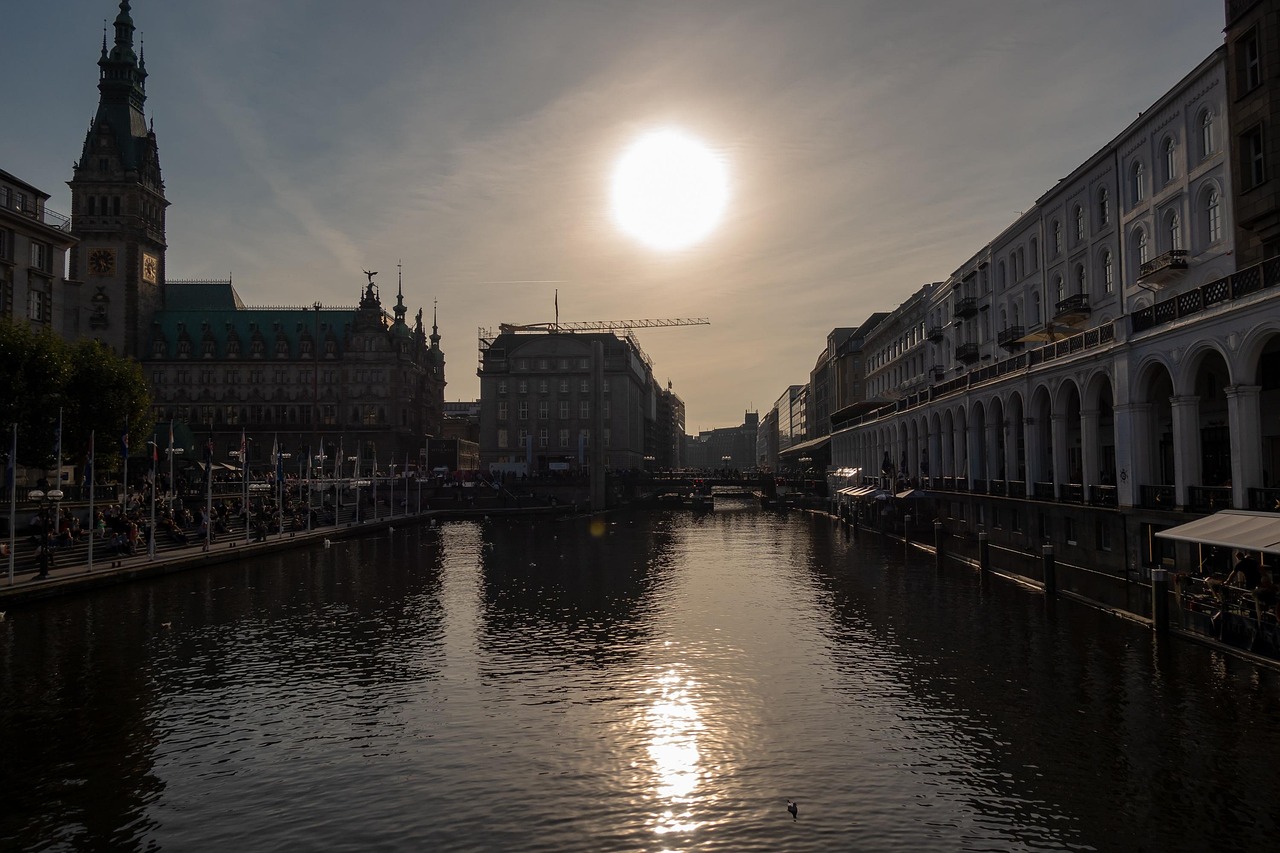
{"x":1231,"y":528}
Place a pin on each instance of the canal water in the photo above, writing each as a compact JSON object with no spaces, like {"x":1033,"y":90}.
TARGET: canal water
{"x":654,"y":682}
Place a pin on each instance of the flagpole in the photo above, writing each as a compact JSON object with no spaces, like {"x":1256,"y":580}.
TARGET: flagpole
{"x":57,"y":477}
{"x":308,"y":482}
{"x":91,"y":491}
{"x":208,"y":494}
{"x":244,"y":482}
{"x":279,"y":486}
{"x":173,"y":487}
{"x":124,"y":492}
{"x":151,"y":544}
{"x":12,"y":480}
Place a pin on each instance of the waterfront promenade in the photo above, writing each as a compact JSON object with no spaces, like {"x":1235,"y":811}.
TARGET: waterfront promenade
{"x":71,"y":572}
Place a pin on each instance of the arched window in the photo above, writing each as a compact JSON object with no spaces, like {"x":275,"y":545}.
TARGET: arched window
{"x":1017,"y":314}
{"x":1212,"y":215}
{"x":1035,"y":309}
{"x":1079,"y":224}
{"x":1057,"y":238}
{"x":1170,"y":160}
{"x":1082,"y":280}
{"x":1104,"y":207}
{"x":1207,"y":141}
{"x":1140,"y":249}
{"x":1108,"y":272}
{"x":1173,"y":230}
{"x":1059,"y":289}
{"x":1000,"y":282}
{"x":1138,"y":183}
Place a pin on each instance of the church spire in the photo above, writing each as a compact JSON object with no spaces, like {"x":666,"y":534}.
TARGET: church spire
{"x":435,"y":330}
{"x":400,"y":310}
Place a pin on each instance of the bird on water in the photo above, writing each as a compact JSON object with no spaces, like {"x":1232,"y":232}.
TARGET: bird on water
{"x":794,"y":809}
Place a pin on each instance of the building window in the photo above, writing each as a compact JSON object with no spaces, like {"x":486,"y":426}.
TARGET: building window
{"x":37,"y":305}
{"x":1104,"y":207}
{"x":542,"y":386}
{"x":542,"y":437}
{"x":1057,"y":238}
{"x":542,"y":364}
{"x":542,"y":410}
{"x":522,"y":387}
{"x":524,"y":438}
{"x":1137,"y":183}
{"x":1082,"y":280}
{"x":584,"y":387}
{"x":1170,"y":160}
{"x":502,"y":438}
{"x":1108,"y":273}
{"x":1207,"y":141}
{"x":605,"y":408}
{"x":502,"y":410}
{"x":1104,"y":536}
{"x":1253,"y":167}
{"x":1079,"y":224}
{"x":1140,"y":246}
{"x":606,"y":436}
{"x":502,"y":386}
{"x":1213,"y":215}
{"x":584,"y":410}
{"x":524,"y":410}
{"x":564,"y":410}
{"x":564,"y":438}
{"x":1250,"y":59}
{"x":40,"y":256}
{"x":564,"y":386}
{"x":1173,"y":230}
{"x":584,"y":363}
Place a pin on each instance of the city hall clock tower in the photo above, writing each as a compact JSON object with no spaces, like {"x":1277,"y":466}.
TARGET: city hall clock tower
{"x":118,"y":204}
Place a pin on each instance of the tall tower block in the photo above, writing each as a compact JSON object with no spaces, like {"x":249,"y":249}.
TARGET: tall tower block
{"x":118,"y":204}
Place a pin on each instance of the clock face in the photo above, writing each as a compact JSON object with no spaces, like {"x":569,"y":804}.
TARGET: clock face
{"x":150,"y":268}
{"x":102,"y":262}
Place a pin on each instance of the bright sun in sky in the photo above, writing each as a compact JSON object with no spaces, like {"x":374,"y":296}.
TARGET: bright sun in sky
{"x":669,"y":190}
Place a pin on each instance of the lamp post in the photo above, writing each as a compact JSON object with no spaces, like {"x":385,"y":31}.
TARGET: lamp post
{"x":356,"y":481}
{"x":46,"y":499}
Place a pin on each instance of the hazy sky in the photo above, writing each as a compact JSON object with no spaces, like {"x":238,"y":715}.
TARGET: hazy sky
{"x":873,"y":145}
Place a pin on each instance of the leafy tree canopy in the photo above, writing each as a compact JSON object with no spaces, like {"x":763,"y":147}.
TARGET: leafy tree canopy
{"x":95,"y":389}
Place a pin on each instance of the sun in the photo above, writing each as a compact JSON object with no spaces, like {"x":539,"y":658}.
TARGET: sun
{"x":669,"y":190}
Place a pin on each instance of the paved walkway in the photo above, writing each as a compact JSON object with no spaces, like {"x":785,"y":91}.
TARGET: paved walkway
{"x":71,"y":573}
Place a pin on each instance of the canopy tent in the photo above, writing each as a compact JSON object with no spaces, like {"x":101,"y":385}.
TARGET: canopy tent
{"x":1231,"y":528}
{"x":848,"y":491}
{"x":913,"y":493}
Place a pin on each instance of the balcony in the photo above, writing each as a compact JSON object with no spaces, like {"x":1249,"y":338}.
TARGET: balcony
{"x":1011,"y":338}
{"x":1156,"y":497}
{"x":938,"y":372}
{"x":968,"y":353}
{"x":1103,"y":496}
{"x":1163,"y":268}
{"x":30,"y":209}
{"x":967,"y":306}
{"x":1209,"y":498}
{"x":1264,"y":500}
{"x":1073,"y":309}
{"x":934,"y":333}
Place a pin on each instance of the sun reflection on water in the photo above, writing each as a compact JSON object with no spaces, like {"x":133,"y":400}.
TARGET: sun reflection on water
{"x":674,"y":723}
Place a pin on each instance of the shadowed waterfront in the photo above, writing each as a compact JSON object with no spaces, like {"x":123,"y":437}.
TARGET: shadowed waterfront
{"x":665,"y":682}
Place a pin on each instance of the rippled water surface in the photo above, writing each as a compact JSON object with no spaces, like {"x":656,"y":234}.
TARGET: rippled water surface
{"x":659,"y":682}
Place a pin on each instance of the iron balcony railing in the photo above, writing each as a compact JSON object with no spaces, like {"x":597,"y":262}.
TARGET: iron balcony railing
{"x":1174,"y":259}
{"x":1156,"y":497}
{"x":1103,"y":496}
{"x":967,"y":352}
{"x":1209,"y":498}
{"x":1072,"y":493}
{"x":934,"y":333}
{"x":1073,"y":306}
{"x":1043,"y":491}
{"x":1264,"y":500}
{"x":1011,"y":338}
{"x":966,"y":306}
{"x":1239,"y":284}
{"x":40,"y":213}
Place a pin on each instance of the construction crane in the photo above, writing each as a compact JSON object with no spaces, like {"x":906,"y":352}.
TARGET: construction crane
{"x":626,"y":327}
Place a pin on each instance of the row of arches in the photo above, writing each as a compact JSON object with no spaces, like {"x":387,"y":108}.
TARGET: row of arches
{"x":1204,"y":427}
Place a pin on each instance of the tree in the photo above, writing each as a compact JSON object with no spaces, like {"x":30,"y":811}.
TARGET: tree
{"x":94,"y":388}
{"x":104,"y":392}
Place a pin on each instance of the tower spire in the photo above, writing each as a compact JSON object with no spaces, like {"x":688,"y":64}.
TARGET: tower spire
{"x":435,"y":329}
{"x":400,"y":309}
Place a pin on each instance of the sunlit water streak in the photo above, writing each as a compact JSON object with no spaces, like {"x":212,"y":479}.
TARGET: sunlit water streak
{"x":666,"y":684}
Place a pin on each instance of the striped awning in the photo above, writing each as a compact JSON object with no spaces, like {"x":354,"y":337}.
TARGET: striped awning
{"x":1231,"y":528}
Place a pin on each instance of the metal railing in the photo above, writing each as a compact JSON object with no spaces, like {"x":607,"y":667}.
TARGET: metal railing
{"x":1174,"y":259}
{"x":1011,"y":337}
{"x":1264,"y":500}
{"x":1208,"y":498}
{"x":966,"y":306}
{"x":1156,"y":497}
{"x":1239,"y":284}
{"x":1103,"y":496}
{"x":1077,"y":304}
